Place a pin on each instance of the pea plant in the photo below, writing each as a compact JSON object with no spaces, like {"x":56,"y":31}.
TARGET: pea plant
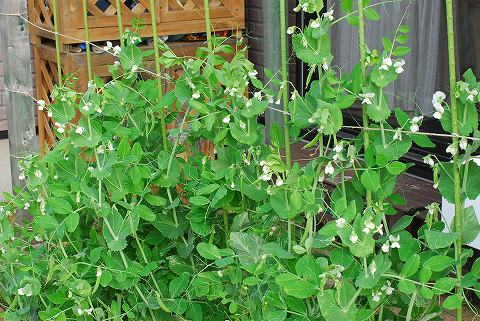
{"x":131,"y":221}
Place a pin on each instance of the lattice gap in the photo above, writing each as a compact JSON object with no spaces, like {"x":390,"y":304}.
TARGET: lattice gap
{"x":190,"y":5}
{"x":108,"y":7}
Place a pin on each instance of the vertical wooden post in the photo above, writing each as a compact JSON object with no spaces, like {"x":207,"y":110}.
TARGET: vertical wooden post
{"x":18,"y":81}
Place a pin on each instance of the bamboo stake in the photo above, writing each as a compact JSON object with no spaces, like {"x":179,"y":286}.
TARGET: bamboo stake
{"x":158,"y":70}
{"x":57,"y":43}
{"x":456,"y":170}
{"x":119,"y":21}
{"x":208,"y":24}
{"x":87,"y":40}
{"x":283,"y":40}
{"x":363,"y":55}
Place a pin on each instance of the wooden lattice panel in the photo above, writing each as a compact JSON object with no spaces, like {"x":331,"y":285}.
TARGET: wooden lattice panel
{"x":173,"y":17}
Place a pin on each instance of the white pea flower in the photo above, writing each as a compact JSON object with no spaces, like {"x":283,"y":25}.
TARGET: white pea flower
{"x":388,"y":288}
{"x":294,"y":95}
{"x":116,"y":63}
{"x":315,"y":24}
{"x":329,"y":15}
{"x":398,"y":134}
{"x":379,"y":229}
{"x":341,"y":222}
{"x":278,"y":102}
{"x":89,"y":311}
{"x":253,"y":74}
{"x":353,"y":238}
{"x":99,"y":110}
{"x":79,"y":311}
{"x":60,"y":127}
{"x":117,"y":50}
{"x":438,"y":97}
{"x":232,"y":185}
{"x":476,"y":160}
{"x":226,"y":119}
{"x":243,"y":125}
{"x":41,"y":104}
{"x":376,"y":296}
{"x":369,"y":226}
{"x":110,"y":146}
{"x":451,"y":149}
{"x":266,"y":176}
{"x":325,"y":65}
{"x":134,"y":68}
{"x":437,"y":115}
{"x":50,"y":113}
{"x":101,"y":149}
{"x":471,"y":94}
{"x":395,"y":241}
{"x":99,"y":272}
{"x":108,"y":46}
{"x":79,"y":130}
{"x":196,"y":95}
{"x":373,"y":267}
{"x":305,"y":6}
{"x":26,"y":206}
{"x":291,"y":30}
{"x":279,"y":182}
{"x":386,"y":63}
{"x":399,"y":66}
{"x":304,"y":41}
{"x":414,"y":128}
{"x":329,"y":169}
{"x":38,"y":173}
{"x":55,"y":177}
{"x":25,"y":291}
{"x":429,"y":160}
{"x":386,"y":247}
{"x":38,"y":238}
{"x":87,"y":106}
{"x":258,"y":95}
{"x":463,"y":144}
{"x":367,"y":98}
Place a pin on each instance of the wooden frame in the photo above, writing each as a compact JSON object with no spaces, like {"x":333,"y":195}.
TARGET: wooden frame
{"x":173,"y":16}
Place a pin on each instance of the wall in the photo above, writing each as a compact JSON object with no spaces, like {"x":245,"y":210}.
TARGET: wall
{"x":3,"y":107}
{"x":254,"y":22}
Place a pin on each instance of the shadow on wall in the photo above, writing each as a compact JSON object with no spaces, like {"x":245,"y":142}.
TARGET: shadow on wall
{"x":5,"y":178}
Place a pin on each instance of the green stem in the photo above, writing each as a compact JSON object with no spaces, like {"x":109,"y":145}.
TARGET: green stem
{"x":456,"y":170}
{"x":158,"y":72}
{"x":87,"y":40}
{"x":57,"y":43}
{"x":363,"y":59}
{"x":208,"y":24}
{"x":119,"y":20}
{"x":410,"y":306}
{"x":226,"y":227}
{"x":286,"y":120}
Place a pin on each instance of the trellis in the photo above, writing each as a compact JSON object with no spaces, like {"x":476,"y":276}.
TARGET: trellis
{"x":172,"y":17}
{"x":62,"y":23}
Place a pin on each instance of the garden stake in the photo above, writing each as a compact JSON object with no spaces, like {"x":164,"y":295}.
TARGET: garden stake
{"x":456,"y":170}
{"x":87,"y":40}
{"x":57,"y":43}
{"x":158,"y":72}
{"x":363,"y":58}
{"x":119,"y":21}
{"x":284,"y":88}
{"x":207,"y":24}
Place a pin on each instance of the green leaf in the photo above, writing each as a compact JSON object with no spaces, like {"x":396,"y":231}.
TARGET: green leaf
{"x":401,"y":51}
{"x":282,"y":206}
{"x":248,"y":247}
{"x":452,"y":302}
{"x":439,"y":263}
{"x":71,"y":222}
{"x":155,"y":200}
{"x":347,"y":6}
{"x":396,"y":167}
{"x":199,"y":200}
{"x":370,"y":180}
{"x":201,"y":108}
{"x":335,"y":304}
{"x":46,"y":222}
{"x":439,"y":240}
{"x":411,"y":266}
{"x":130,"y":56}
{"x":444,"y":285}
{"x":300,"y":288}
{"x":371,"y":14}
{"x":144,"y":212}
{"x":208,"y":251}
{"x":470,"y":220}
{"x":178,"y":285}
{"x":60,"y":205}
